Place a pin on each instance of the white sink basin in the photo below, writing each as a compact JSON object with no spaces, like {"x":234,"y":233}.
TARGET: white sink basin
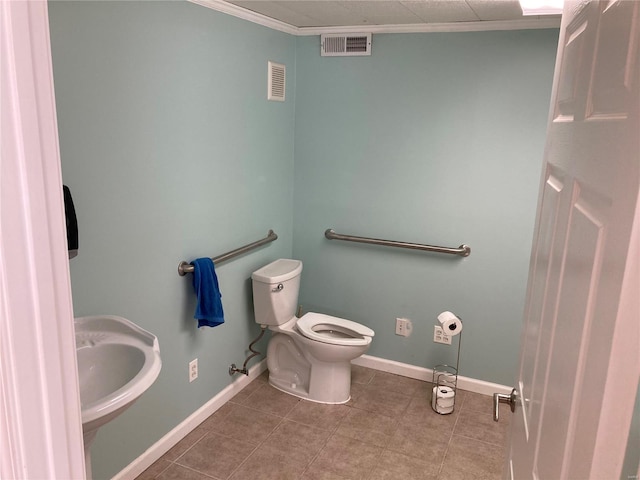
{"x":117,"y":362}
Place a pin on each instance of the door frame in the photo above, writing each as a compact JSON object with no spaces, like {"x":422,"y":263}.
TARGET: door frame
{"x":40,"y":416}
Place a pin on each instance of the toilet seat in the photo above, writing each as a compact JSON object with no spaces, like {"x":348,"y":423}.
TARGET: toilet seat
{"x":333,"y":330}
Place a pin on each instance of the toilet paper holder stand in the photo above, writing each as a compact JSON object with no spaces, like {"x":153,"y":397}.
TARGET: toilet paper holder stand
{"x":445,"y":385}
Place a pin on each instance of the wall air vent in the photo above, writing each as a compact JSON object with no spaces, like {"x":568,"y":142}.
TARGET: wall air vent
{"x":345,"y":45}
{"x":276,"y":82}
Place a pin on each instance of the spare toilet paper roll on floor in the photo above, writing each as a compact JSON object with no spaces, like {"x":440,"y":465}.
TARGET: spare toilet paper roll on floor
{"x":451,"y":325}
{"x":443,"y":399}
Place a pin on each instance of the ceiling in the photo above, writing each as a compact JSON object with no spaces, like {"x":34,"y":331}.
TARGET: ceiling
{"x":315,"y":14}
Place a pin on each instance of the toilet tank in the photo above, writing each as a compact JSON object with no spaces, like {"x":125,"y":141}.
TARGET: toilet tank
{"x":275,"y":291}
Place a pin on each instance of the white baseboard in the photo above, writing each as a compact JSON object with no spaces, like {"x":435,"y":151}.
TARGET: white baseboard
{"x":163,"y":445}
{"x":425,"y":374}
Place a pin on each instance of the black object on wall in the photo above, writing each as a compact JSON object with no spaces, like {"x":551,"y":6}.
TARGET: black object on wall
{"x":72,"y":223}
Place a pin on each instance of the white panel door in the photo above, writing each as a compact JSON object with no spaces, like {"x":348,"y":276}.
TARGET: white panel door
{"x":583,"y":284}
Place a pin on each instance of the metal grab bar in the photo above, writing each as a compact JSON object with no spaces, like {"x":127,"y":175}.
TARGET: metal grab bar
{"x":462,"y":250}
{"x":184,"y":267}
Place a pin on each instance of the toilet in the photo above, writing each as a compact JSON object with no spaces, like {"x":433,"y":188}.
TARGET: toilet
{"x":309,"y":357}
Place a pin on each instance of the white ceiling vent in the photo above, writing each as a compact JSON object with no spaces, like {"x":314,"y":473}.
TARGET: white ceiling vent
{"x":345,"y":45}
{"x":276,"y":82}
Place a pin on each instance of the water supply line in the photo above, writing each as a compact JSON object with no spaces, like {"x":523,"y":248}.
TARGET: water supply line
{"x":233,"y":369}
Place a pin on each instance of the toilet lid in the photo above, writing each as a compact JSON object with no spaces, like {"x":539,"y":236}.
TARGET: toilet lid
{"x":333,"y":330}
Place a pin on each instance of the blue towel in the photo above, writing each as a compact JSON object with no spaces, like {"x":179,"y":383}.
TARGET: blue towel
{"x":205,"y":283}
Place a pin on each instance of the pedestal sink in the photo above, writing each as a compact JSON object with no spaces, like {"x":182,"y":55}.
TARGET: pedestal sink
{"x":117,"y":362}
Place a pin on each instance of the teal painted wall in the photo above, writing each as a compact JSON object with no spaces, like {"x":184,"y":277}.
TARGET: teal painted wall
{"x":172,"y":152}
{"x":435,"y":138}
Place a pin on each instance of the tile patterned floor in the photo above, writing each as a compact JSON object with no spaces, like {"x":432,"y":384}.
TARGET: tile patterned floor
{"x":386,"y":431}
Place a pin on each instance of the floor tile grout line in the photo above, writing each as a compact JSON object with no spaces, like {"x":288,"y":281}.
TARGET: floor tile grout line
{"x":446,"y":452}
{"x":282,"y":420}
{"x":478,"y":440}
{"x":254,"y":450}
{"x":455,"y":423}
{"x":331,"y":434}
{"x":337,"y":427}
{"x":397,"y":419}
{"x":265,"y":412}
{"x":193,"y":470}
{"x":176,"y":462}
{"x":165,"y":469}
{"x":316,"y":455}
{"x":384,"y":447}
{"x":204,"y":434}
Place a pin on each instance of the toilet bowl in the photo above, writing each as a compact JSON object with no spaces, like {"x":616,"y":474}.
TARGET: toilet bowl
{"x":309,"y":357}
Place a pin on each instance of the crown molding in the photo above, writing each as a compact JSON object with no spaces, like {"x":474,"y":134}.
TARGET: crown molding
{"x":436,"y":27}
{"x":243,"y":13}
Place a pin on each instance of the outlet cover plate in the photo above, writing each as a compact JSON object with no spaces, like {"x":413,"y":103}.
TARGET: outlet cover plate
{"x":193,"y":370}
{"x":439,"y":336}
{"x":404,"y":327}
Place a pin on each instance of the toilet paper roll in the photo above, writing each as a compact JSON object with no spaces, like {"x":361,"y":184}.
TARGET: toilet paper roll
{"x":443,"y":399}
{"x":451,"y":325}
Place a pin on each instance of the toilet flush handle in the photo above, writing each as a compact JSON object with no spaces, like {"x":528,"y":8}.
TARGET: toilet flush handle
{"x":278,"y":288}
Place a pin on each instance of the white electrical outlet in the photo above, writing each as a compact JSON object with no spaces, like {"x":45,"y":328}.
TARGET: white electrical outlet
{"x":404,"y":327}
{"x":400,"y":326}
{"x":439,"y":336}
{"x":193,"y":370}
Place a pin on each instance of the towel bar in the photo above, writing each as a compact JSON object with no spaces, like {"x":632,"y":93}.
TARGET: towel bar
{"x":185,"y":267}
{"x":462,"y":250}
